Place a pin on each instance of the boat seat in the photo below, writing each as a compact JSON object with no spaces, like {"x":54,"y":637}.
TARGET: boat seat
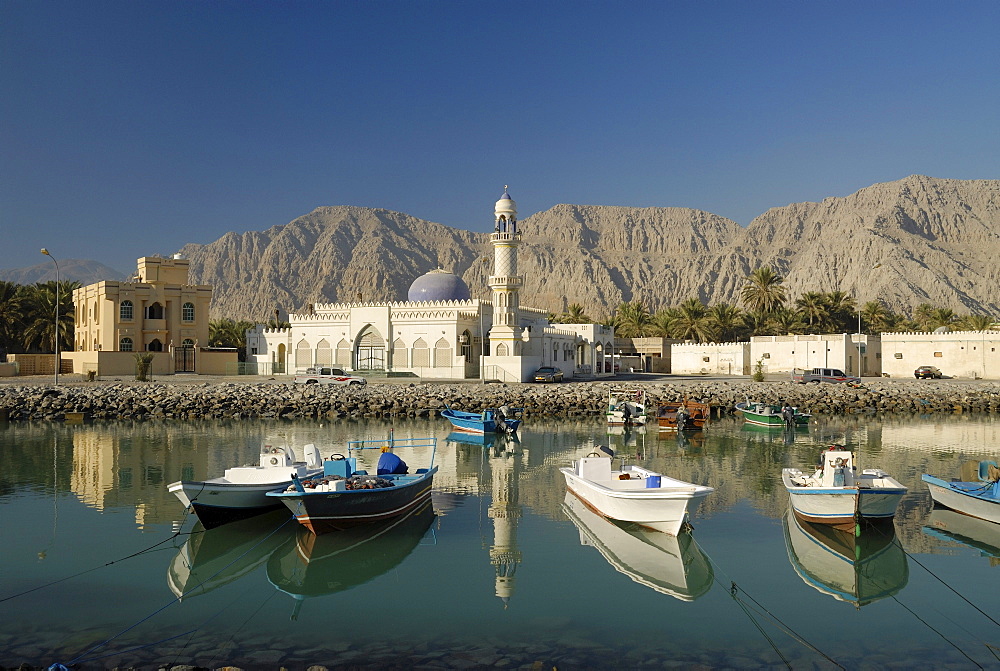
{"x":988,"y":471}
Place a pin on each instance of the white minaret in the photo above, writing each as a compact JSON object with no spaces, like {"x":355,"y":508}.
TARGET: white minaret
{"x":505,"y":281}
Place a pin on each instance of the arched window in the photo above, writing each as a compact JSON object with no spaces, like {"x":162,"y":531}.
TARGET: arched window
{"x":155,"y":346}
{"x":154,"y":311}
{"x":421,"y":354}
{"x":187,"y":343}
{"x":399,"y":354}
{"x":125,"y":313}
{"x":443,"y":354}
{"x":466,"y":340}
{"x":502,"y":349}
{"x":125,"y":345}
{"x":303,"y":354}
{"x":344,"y":353}
{"x":324,"y":353}
{"x":187,"y":312}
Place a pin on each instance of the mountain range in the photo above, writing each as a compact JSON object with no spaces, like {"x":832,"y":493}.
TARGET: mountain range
{"x":916,"y":240}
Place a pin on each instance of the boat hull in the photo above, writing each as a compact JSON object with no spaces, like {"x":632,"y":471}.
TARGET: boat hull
{"x":329,"y":511}
{"x":473,"y":423}
{"x":842,"y":507}
{"x":218,"y":503}
{"x":968,"y":498}
{"x":698,"y":416}
{"x":752,"y":415}
{"x":663,"y":508}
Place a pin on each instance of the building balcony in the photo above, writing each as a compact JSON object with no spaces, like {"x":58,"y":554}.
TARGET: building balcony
{"x":505,"y":237}
{"x":154,"y":325}
{"x":506,"y":280}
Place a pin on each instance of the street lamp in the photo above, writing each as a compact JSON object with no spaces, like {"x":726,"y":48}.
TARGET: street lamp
{"x":861,"y":346}
{"x":46,"y":252}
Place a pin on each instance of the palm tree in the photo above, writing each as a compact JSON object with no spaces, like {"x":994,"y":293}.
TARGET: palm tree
{"x":763,"y":290}
{"x":812,"y":307}
{"x":38,"y":307}
{"x":230,"y":333}
{"x":785,"y":320}
{"x":10,"y":315}
{"x":575,"y":314}
{"x":977,"y":322}
{"x":941,"y":317}
{"x":922,"y":316}
{"x":755,"y":323}
{"x":726,"y":320}
{"x":661,"y":322}
{"x":692,"y":322}
{"x":875,"y":315}
{"x":840,"y":305}
{"x":635,"y":320}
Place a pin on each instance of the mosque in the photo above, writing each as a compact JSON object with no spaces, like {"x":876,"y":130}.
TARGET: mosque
{"x":440,"y":332}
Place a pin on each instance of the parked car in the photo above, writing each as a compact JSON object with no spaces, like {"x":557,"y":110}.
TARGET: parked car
{"x":823,"y":375}
{"x":548,"y":374}
{"x":927,"y":371}
{"x":324,"y":375}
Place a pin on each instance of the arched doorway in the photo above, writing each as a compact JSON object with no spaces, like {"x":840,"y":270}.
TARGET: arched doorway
{"x":278,"y":365}
{"x":370,"y":353}
{"x":184,"y":357}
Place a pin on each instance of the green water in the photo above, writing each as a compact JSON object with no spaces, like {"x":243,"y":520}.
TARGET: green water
{"x":96,"y":553}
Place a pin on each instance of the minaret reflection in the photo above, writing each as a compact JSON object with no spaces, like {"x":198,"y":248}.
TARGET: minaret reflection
{"x":505,"y":465}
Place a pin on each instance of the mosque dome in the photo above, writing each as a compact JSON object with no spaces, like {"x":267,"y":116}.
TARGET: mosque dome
{"x":506,"y":204}
{"x":438,"y":285}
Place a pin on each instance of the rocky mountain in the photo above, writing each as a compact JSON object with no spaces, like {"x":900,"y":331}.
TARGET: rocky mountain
{"x":84,"y":271}
{"x":916,"y":240}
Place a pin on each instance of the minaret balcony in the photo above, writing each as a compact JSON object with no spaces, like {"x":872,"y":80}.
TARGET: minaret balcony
{"x":505,"y":237}
{"x":506,"y":280}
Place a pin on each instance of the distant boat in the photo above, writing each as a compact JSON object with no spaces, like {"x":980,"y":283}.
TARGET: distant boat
{"x":241,"y":492}
{"x":490,"y":420}
{"x":769,"y":415}
{"x":312,"y":566}
{"x":691,"y":415}
{"x":835,"y":493}
{"x":626,"y":407}
{"x":634,"y":494}
{"x":858,"y":569}
{"x":342,"y":496}
{"x":978,"y":498}
{"x":672,"y":565}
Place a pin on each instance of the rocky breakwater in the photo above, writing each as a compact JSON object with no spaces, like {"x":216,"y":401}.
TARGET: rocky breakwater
{"x":227,"y":400}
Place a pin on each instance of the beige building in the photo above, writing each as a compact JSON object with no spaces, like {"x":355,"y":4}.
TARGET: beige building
{"x":155,"y":311}
{"x":961,"y":354}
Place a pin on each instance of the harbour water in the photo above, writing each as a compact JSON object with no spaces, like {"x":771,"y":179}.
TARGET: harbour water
{"x":103,"y":568}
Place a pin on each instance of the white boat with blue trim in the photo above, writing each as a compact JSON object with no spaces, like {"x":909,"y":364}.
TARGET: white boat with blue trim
{"x":836,"y":493}
{"x":976,"y":498}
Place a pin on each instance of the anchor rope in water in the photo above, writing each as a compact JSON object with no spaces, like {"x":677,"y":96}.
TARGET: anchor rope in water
{"x":95,"y":568}
{"x":82,"y":656}
{"x":734,"y":592}
{"x":791,"y":633}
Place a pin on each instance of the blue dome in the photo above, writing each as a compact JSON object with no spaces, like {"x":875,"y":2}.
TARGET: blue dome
{"x":438,"y":285}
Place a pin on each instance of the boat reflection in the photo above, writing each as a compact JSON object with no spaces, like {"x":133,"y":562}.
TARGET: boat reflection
{"x":672,"y":565}
{"x":482,"y":440}
{"x":948,"y":525}
{"x":774,"y":434}
{"x":308,"y":566}
{"x":215,"y":557}
{"x":856,"y":569}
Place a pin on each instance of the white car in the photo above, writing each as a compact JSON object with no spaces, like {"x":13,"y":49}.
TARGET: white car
{"x":328,"y":376}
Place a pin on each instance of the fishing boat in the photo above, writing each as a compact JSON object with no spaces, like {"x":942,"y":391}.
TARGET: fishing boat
{"x":682,"y":415}
{"x":672,"y":565}
{"x":976,"y":498}
{"x":491,"y":420}
{"x":626,"y":407}
{"x":343,"y":496}
{"x":212,"y":558}
{"x":241,"y":492}
{"x":772,"y":416}
{"x":835,"y":493}
{"x":857,"y":569}
{"x":311,"y":566}
{"x":632,"y":493}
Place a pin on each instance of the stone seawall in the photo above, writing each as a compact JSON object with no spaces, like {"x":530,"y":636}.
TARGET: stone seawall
{"x":275,"y":399}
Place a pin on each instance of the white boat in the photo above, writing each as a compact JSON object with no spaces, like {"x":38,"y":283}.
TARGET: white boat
{"x":241,"y":491}
{"x":835,"y":493}
{"x":633,"y":493}
{"x":976,"y":498}
{"x":672,"y":565}
{"x":626,"y":407}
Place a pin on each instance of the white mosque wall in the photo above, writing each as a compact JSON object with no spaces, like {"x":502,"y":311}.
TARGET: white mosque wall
{"x":732,"y":358}
{"x":962,"y":354}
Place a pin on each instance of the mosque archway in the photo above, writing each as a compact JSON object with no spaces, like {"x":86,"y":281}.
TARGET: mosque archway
{"x":370,"y":353}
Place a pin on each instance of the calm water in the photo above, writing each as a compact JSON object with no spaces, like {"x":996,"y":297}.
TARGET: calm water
{"x":503,"y":569}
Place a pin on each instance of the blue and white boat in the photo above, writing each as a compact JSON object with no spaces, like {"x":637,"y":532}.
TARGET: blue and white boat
{"x":490,"y":420}
{"x":976,"y":498}
{"x":836,"y":493}
{"x":343,"y":496}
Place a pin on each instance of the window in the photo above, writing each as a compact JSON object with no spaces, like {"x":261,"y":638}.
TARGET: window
{"x":125,"y":311}
{"x":125,"y":345}
{"x":187,"y":312}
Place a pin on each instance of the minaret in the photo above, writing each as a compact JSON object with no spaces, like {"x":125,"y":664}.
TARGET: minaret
{"x":505,"y":281}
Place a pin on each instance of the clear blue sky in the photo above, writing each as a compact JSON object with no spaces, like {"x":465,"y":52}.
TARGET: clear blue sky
{"x":132,"y":128}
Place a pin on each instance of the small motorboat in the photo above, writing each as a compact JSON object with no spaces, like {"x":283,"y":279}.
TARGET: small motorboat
{"x":491,"y":420}
{"x":634,"y":494}
{"x":835,"y":493}
{"x":770,"y":415}
{"x":241,"y":492}
{"x":682,"y":415}
{"x":626,"y":407}
{"x":343,"y":496}
{"x":976,"y":498}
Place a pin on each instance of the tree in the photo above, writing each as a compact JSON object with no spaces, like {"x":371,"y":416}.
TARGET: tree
{"x":575,"y":314}
{"x":661,"y":323}
{"x":874,"y":314}
{"x":726,"y":320}
{"x":692,"y":322}
{"x":763,"y":290}
{"x":941,"y":317}
{"x":635,"y":320}
{"x":785,"y":320}
{"x":38,"y":307}
{"x":842,"y":310}
{"x":977,"y":322}
{"x":812,"y":307}
{"x":10,"y":316}
{"x":230,"y":333}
